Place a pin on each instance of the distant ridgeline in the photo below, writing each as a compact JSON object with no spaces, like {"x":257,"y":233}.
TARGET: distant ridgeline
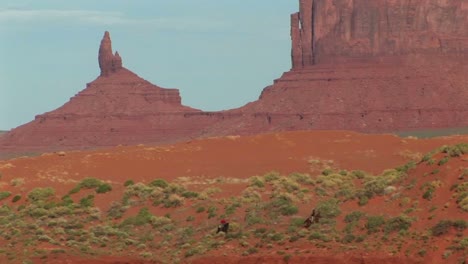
{"x":362,"y":65}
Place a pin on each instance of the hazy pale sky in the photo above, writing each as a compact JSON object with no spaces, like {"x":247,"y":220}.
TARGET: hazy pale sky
{"x":220,"y":54}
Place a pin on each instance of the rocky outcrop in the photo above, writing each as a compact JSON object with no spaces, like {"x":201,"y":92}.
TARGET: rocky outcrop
{"x":343,"y":30}
{"x":119,"y":107}
{"x":108,"y":62}
{"x":371,"y":66}
{"x":363,"y":65}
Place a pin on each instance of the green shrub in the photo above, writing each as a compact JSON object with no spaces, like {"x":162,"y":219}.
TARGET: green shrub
{"x":456,"y":150}
{"x":327,"y":172}
{"x":289,"y":210}
{"x":359,"y":174}
{"x":329,"y":208}
{"x":90,"y":183}
{"x":459,"y":224}
{"x":441,"y":228}
{"x":143,"y":217}
{"x":375,"y":186}
{"x":348,"y":238}
{"x":271,"y":176}
{"x":103,"y":188}
{"x":297,"y":222}
{"x":345,"y":193}
{"x":398,"y":223}
{"x":75,"y":189}
{"x":200,"y":209}
{"x":363,"y":200}
{"x":427,"y":157}
{"x":253,"y":218}
{"x":192,"y":252}
{"x":257,"y":182}
{"x":283,"y":204}
{"x":189,"y":194}
{"x":250,"y":251}
{"x":353,"y":216}
{"x":319,"y":236}
{"x":159,"y":183}
{"x":4,"y":195}
{"x":429,"y":193}
{"x":212,"y":212}
{"x":405,"y":168}
{"x":464,"y":243}
{"x":374,"y":223}
{"x":40,"y":194}
{"x":231,"y":209}
{"x":128,"y":183}
{"x":37,"y":212}
{"x":301,"y":178}
{"x":87,"y":201}
{"x":173,"y":200}
{"x":16,"y":198}
{"x":443,"y":161}
{"x":66,"y":200}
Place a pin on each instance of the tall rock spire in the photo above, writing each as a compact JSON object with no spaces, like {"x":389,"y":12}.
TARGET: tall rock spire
{"x":108,"y":62}
{"x":302,"y":35}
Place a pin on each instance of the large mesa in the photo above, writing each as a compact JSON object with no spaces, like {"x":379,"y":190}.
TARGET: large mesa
{"x":362,"y":65}
{"x":326,"y":31}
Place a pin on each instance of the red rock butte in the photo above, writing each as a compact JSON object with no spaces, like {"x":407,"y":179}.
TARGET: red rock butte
{"x":363,"y":65}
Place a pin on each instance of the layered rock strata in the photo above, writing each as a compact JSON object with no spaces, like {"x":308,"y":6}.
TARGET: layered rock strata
{"x":327,"y":31}
{"x":118,"y":107}
{"x":363,"y":65}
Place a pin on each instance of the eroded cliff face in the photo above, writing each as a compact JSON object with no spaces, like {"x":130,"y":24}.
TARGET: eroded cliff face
{"x":326,"y":31}
{"x":363,"y":65}
{"x":373,"y":66}
{"x":119,"y":107}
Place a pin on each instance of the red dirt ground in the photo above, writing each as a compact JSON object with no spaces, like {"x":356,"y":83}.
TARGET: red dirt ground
{"x":223,"y":159}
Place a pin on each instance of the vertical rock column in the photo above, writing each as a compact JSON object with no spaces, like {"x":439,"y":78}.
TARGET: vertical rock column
{"x":306,"y":20}
{"x":302,"y":35}
{"x":108,"y":62}
{"x":296,"y":50}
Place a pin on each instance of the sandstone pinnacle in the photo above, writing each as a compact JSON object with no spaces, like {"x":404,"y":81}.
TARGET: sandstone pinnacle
{"x":108,"y":62}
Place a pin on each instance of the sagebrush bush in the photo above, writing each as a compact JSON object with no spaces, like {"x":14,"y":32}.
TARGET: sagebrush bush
{"x":4,"y":195}
{"x":441,"y":228}
{"x":396,"y":224}
{"x":256,"y":181}
{"x":374,"y":223}
{"x":353,"y":216}
{"x":456,"y":150}
{"x":103,"y":188}
{"x":87,"y":201}
{"x":16,"y":198}
{"x":128,"y":183}
{"x":271,"y":176}
{"x":329,"y":208}
{"x":40,"y":194}
{"x":90,"y":183}
{"x":143,"y":217}
{"x":159,"y":183}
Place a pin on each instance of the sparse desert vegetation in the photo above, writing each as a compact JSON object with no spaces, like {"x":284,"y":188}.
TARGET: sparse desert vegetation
{"x":401,"y":211}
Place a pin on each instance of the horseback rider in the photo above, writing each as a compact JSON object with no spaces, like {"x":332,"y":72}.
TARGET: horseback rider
{"x":313,"y":218}
{"x":223,"y":226}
